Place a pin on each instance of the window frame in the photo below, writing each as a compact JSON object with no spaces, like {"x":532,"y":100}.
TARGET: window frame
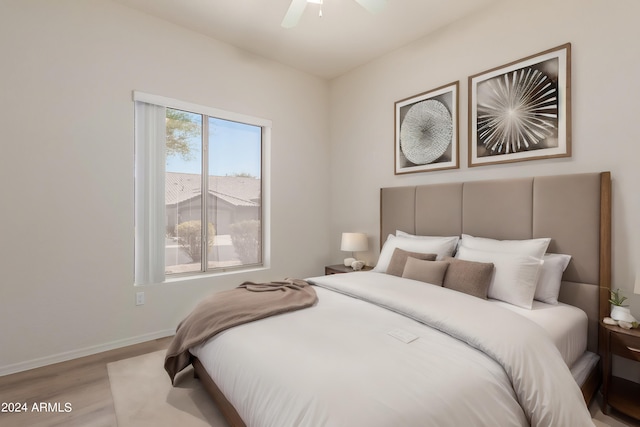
{"x":210,"y":112}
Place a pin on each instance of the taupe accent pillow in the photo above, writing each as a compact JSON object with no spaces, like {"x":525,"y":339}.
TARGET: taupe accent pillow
{"x":425,"y":271}
{"x":399,"y":259}
{"x":470,"y":277}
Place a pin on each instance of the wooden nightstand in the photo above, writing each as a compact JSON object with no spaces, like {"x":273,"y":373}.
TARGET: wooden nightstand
{"x":341,"y":268}
{"x":620,"y":393}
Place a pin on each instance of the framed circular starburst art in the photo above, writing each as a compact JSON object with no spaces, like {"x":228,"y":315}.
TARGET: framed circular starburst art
{"x":522,"y":110}
{"x":426,"y":131}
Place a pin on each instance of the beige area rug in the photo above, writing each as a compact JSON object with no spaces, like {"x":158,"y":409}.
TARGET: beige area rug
{"x":143,"y":395}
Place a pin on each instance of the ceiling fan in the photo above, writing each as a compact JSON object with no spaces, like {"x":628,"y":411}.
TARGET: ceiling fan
{"x":296,"y":8}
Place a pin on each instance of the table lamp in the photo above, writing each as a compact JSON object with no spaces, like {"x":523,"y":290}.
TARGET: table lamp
{"x":353,"y":242}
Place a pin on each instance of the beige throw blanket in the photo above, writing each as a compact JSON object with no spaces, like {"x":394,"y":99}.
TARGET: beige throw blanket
{"x":223,"y":310}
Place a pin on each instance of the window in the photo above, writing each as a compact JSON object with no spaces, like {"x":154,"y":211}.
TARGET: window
{"x":197,"y":165}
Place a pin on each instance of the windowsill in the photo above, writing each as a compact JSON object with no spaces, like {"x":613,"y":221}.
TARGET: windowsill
{"x":196,"y":276}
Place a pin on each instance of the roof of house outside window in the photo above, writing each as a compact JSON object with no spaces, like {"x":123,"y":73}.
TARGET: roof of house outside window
{"x":236,"y":190}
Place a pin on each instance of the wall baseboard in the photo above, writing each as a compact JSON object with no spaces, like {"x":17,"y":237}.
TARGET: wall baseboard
{"x":87,"y":351}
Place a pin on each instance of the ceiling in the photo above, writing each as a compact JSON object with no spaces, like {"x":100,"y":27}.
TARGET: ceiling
{"x":345,"y":37}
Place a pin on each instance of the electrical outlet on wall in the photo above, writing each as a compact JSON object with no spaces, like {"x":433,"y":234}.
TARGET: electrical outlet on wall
{"x":139,"y":298}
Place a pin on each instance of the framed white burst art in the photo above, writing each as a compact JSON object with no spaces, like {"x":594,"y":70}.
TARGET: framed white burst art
{"x":522,"y":110}
{"x":426,"y":131}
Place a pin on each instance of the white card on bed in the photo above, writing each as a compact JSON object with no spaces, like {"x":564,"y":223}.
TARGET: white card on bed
{"x":404,"y":336}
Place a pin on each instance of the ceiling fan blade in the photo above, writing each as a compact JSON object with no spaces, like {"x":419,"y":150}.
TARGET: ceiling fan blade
{"x":296,"y":8}
{"x":372,"y":6}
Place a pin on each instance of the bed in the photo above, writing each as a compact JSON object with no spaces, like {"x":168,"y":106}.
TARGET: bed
{"x":382,"y":349}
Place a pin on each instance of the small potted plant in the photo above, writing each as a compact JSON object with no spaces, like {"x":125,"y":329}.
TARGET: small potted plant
{"x":619,"y":311}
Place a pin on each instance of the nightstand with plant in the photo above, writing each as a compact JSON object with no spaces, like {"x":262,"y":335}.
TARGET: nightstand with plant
{"x":621,"y":338}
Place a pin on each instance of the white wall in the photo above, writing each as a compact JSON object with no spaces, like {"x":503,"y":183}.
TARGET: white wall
{"x":605,"y":88}
{"x":66,"y":229}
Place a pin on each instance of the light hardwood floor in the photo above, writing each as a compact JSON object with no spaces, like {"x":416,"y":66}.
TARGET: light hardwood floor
{"x":84,"y":383}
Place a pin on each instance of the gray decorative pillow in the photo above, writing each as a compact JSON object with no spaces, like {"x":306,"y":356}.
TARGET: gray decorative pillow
{"x":470,"y":277}
{"x":425,"y":271}
{"x":399,"y":259}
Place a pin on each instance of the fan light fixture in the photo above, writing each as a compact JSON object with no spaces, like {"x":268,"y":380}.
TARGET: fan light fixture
{"x":296,"y":9}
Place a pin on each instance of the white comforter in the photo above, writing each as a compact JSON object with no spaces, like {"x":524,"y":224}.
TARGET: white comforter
{"x":473,"y":364}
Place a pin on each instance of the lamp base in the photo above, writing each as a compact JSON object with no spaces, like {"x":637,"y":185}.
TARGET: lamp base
{"x":348,"y":262}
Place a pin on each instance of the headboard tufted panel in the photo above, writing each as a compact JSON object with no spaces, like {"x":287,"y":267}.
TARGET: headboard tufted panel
{"x":399,"y":210}
{"x":567,"y":208}
{"x":499,"y":209}
{"x":443,"y":217}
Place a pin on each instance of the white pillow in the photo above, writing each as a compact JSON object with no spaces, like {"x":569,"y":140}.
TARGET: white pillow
{"x":441,"y":246}
{"x":551,"y":277}
{"x":532,"y":247}
{"x":514,"y":278}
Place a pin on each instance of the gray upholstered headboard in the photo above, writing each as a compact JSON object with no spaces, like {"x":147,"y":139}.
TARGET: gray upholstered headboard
{"x":574,"y":210}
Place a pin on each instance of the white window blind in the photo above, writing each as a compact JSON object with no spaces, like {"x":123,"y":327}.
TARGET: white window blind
{"x":150,"y":132}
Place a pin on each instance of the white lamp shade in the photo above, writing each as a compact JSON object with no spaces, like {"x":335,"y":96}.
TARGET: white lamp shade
{"x":636,"y":290}
{"x":354,"y":242}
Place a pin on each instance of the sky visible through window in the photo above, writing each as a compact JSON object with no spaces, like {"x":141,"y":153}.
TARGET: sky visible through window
{"x":234,"y":148}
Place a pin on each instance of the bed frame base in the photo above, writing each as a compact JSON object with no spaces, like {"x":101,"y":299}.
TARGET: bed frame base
{"x":227,"y":409}
{"x":592,"y":384}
